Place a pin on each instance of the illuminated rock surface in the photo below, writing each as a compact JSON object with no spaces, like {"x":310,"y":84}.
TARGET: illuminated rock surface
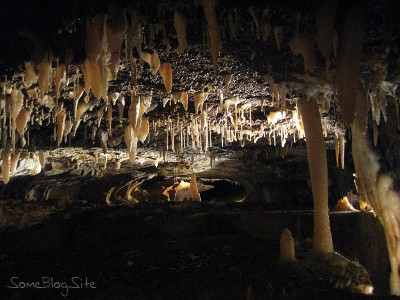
{"x":108,"y":108}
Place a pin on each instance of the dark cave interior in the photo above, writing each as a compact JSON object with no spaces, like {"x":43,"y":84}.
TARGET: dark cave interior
{"x":206,"y":149}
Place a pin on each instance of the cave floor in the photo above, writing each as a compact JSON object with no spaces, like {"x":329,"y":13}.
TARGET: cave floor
{"x":57,"y":224}
{"x":185,"y":251}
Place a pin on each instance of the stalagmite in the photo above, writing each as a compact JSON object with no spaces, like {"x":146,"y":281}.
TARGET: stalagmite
{"x":287,"y":252}
{"x":180,"y":28}
{"x":344,"y":205}
{"x":166,"y":74}
{"x":121,"y":108}
{"x":130,"y":141}
{"x":96,"y":156}
{"x":42,"y":159}
{"x":317,"y":161}
{"x":274,"y":116}
{"x":14,"y":161}
{"x":213,"y":31}
{"x":5,"y":168}
{"x":194,"y":194}
{"x":103,"y":137}
{"x":134,"y":109}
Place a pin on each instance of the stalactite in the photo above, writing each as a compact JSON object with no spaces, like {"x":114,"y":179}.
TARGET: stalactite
{"x":153,"y":60}
{"x":115,"y":29}
{"x":133,"y":35}
{"x":325,"y":22}
{"x":142,"y":132}
{"x":22,"y":120}
{"x":278,"y":32}
{"x":44,"y":73}
{"x":30,"y":76}
{"x":166,"y":74}
{"x":362,"y":108}
{"x":348,"y":76}
{"x":95,"y":37}
{"x":109,"y":119}
{"x":256,"y":20}
{"x":375,"y":132}
{"x":199,"y":99}
{"x":341,"y":146}
{"x":14,"y":161}
{"x":61,"y":79}
{"x":121,"y":108}
{"x":229,"y":102}
{"x":5,"y":168}
{"x":227,"y":79}
{"x":180,"y":28}
{"x":82,"y":108}
{"x":213,"y":31}
{"x":96,"y":78}
{"x":17,"y":100}
{"x":377,"y":189}
{"x":337,"y":150}
{"x":303,"y":44}
{"x":232,"y":27}
{"x":61,"y":116}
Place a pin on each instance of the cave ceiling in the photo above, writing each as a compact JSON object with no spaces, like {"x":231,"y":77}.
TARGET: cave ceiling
{"x":260,"y":57}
